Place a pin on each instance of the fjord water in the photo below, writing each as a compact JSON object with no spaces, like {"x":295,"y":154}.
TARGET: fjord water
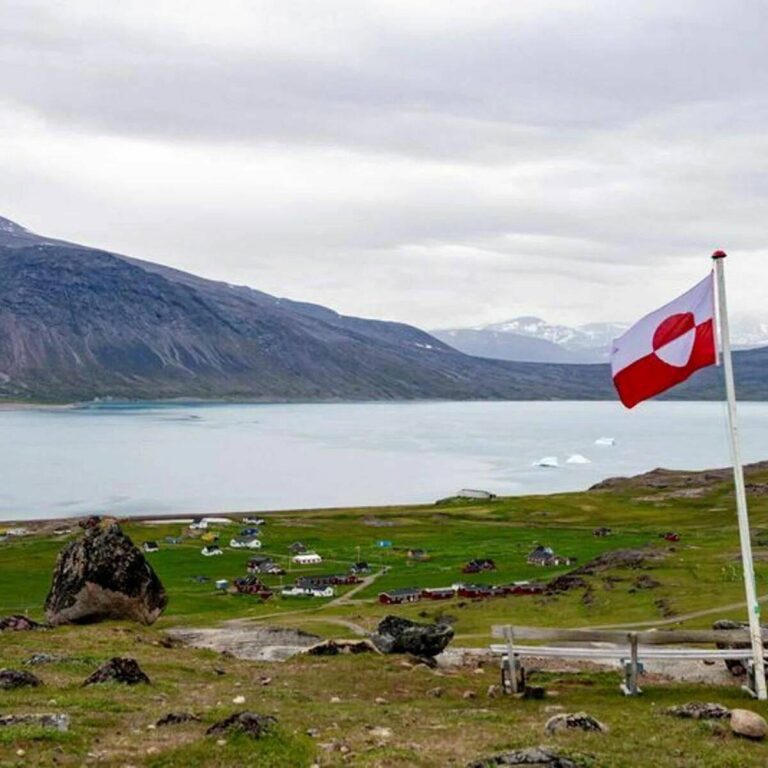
{"x":194,"y":458}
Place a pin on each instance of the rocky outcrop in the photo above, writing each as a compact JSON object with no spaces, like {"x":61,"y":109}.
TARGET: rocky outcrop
{"x":250,"y":723}
{"x":15,"y":678}
{"x":748,"y":724}
{"x":59,"y":722}
{"x":397,"y":635}
{"x":103,"y":575}
{"x":530,"y":756}
{"x":698,"y":710}
{"x":576,"y":721}
{"x":336,"y":647}
{"x":118,"y":670}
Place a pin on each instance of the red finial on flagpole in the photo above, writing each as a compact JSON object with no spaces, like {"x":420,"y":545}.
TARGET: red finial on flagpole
{"x":719,"y":255}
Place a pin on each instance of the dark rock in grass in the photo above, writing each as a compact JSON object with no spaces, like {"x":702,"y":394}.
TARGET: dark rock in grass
{"x":335,"y":647}
{"x":398,"y":635}
{"x":58,"y":721}
{"x":177,"y":718}
{"x":16,"y":678}
{"x":699,"y":710}
{"x":244,"y":722}
{"x":118,"y":670}
{"x":17,"y":623}
{"x":103,"y":575}
{"x":534,"y":692}
{"x":646,"y":582}
{"x":575,"y":721}
{"x":529,"y":756}
{"x":565,"y":583}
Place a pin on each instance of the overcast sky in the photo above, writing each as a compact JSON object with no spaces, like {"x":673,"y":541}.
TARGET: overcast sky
{"x":441,"y":163}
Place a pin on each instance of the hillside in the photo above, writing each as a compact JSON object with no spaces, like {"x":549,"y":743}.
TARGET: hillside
{"x":78,"y":323}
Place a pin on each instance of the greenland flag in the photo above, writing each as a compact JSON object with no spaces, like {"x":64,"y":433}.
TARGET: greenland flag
{"x":667,"y":346}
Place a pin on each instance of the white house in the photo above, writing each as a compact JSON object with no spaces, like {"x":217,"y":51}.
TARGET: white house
{"x":308,"y":591}
{"x":245,"y":543}
{"x":199,"y":525}
{"x":307,"y":558}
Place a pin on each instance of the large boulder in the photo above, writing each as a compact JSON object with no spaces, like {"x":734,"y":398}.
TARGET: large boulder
{"x":17,"y":678}
{"x":573,"y":721}
{"x":397,"y":635}
{"x":748,"y":724}
{"x":103,"y":575}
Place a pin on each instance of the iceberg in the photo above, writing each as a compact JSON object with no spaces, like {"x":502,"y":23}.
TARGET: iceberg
{"x":605,"y":441}
{"x":577,"y":458}
{"x":547,"y":461}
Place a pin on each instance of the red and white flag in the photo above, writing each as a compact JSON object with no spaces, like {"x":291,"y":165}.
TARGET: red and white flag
{"x":667,"y":346}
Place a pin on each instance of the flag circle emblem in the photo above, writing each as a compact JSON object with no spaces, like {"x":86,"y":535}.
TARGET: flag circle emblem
{"x":674,"y":339}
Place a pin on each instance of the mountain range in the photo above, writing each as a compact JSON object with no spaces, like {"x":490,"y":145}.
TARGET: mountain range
{"x":79,"y":323}
{"x":531,"y":339}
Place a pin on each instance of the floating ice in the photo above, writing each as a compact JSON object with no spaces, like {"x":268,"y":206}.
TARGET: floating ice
{"x":577,"y":458}
{"x":547,"y":461}
{"x":605,"y":441}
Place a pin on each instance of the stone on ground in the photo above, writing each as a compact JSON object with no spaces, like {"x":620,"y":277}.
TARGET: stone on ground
{"x":244,"y":722}
{"x":699,"y":710}
{"x":573,"y":721}
{"x":17,"y":623}
{"x":398,"y":635}
{"x":529,"y":756}
{"x":335,"y":647}
{"x":118,"y":670}
{"x":58,"y":721}
{"x":176,"y":718}
{"x":748,"y":724}
{"x":16,"y":678}
{"x":103,"y":575}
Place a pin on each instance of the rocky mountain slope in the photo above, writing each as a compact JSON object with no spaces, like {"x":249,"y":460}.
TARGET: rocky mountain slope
{"x":78,"y":323}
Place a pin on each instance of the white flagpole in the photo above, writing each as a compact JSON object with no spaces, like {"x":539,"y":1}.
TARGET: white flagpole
{"x":753,"y":606}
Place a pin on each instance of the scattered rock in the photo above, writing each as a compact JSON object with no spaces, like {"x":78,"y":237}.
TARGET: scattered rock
{"x":335,"y":700}
{"x":573,"y":721}
{"x":238,"y":700}
{"x":469,"y":695}
{"x":646,"y":582}
{"x":335,"y":647}
{"x":15,"y":678}
{"x":529,"y":756}
{"x":748,"y":724}
{"x":58,"y":721}
{"x":251,"y":723}
{"x":43,"y":658}
{"x":493,"y":691}
{"x":380,"y":700}
{"x":380,"y":732}
{"x":699,"y":710}
{"x":118,"y":670}
{"x":565,"y":583}
{"x":176,"y":718}
{"x":735,"y":667}
{"x":264,"y":680}
{"x":398,"y":635}
{"x":17,"y":623}
{"x":435,"y":693}
{"x":103,"y":575}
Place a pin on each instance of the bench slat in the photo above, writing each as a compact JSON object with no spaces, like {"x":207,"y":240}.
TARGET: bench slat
{"x":703,"y":654}
{"x":645,"y":637}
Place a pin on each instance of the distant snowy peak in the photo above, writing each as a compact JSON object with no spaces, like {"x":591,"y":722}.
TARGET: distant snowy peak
{"x":592,"y":337}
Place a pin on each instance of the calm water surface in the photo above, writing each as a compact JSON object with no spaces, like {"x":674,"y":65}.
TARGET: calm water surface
{"x":212,"y":458}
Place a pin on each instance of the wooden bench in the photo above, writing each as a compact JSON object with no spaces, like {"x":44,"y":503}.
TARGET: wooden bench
{"x":626,"y":647}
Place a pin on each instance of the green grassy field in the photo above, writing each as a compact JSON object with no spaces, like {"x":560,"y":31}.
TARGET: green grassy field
{"x":698,"y":575}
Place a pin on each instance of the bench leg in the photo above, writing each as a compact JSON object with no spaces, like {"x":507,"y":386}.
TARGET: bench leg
{"x":512,"y":674}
